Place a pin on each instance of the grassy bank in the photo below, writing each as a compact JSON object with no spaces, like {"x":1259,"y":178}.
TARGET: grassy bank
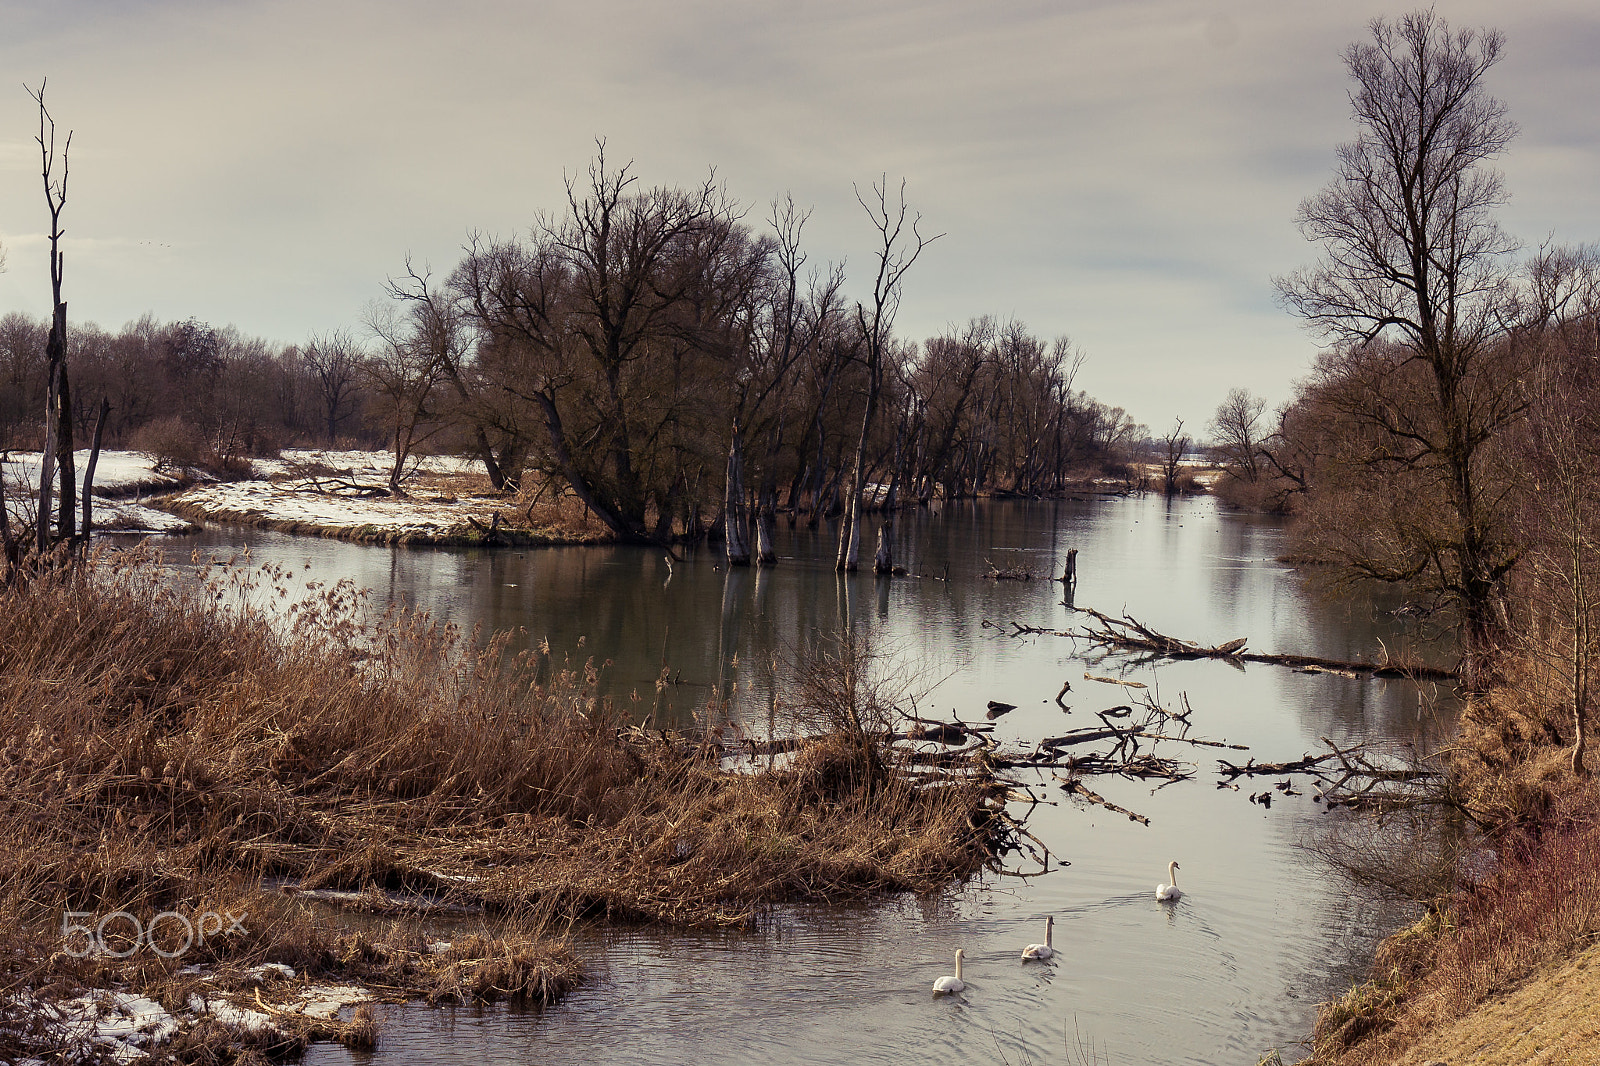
{"x":163,"y":750}
{"x":1504,"y":968}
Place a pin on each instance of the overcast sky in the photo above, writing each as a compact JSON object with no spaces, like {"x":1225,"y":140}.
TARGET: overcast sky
{"x":1125,"y":173}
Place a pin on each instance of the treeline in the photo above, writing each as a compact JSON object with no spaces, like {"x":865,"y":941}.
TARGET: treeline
{"x":195,"y":394}
{"x":674,"y":364}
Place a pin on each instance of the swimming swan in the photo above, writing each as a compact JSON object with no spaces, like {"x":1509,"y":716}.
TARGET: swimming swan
{"x":1170,"y":892}
{"x":1045,"y":950}
{"x":948,"y":983}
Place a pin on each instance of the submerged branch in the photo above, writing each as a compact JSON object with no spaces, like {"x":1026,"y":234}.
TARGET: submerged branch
{"x":1129,"y":633}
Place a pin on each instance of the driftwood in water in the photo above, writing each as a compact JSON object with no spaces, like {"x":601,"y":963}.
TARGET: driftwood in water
{"x":1115,"y":681}
{"x":1069,"y":576}
{"x":1252,"y":768}
{"x":1089,"y":735}
{"x":996,"y":709}
{"x":1009,"y":573}
{"x":1127,"y":632}
{"x":939,"y":732}
{"x":1078,"y":788}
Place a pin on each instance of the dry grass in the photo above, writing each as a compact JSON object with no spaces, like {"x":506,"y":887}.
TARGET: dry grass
{"x":164,"y":749}
{"x":1446,"y":982}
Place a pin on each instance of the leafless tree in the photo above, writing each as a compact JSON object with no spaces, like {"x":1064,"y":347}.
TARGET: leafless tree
{"x":58,"y":401}
{"x":1412,"y":250}
{"x":900,"y":242}
{"x":1236,"y":433}
{"x":334,"y":361}
{"x":1173,"y":447}
{"x":418,"y":335}
{"x":614,"y":320}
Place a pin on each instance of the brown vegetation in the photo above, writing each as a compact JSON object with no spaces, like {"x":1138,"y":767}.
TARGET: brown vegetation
{"x":164,"y":748}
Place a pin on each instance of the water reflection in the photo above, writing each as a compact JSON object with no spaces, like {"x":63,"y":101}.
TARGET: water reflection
{"x":1232,"y":969}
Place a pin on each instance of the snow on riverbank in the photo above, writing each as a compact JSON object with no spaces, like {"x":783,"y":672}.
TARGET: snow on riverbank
{"x":121,"y":479}
{"x":117,"y":474}
{"x":344,"y":494}
{"x":125,"y":1027}
{"x":303,"y":506}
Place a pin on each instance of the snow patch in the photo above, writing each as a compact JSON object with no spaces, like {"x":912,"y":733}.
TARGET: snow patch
{"x":239,"y":1019}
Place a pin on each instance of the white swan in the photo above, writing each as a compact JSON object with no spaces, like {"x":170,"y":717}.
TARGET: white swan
{"x":1045,"y":950}
{"x":948,"y":983}
{"x":1170,"y":892}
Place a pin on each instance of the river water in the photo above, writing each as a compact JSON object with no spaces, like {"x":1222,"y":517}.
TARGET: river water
{"x":1235,"y":968}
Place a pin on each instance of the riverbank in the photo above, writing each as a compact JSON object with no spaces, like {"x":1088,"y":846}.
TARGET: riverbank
{"x":345,"y":494}
{"x":122,"y":482}
{"x":1506,"y":967}
{"x":169,"y":756}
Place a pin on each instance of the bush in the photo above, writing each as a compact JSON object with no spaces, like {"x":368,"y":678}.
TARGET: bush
{"x":181,"y":447}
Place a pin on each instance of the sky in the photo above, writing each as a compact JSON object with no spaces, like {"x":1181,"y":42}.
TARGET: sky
{"x":1125,"y":173}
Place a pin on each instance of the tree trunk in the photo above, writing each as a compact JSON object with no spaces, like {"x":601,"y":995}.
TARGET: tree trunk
{"x":8,"y":540}
{"x":56,"y":351}
{"x":766,"y":506}
{"x":850,"y":533}
{"x":88,"y":471}
{"x":66,"y":512}
{"x":883,"y":561}
{"x":735,"y":518}
{"x":580,"y":484}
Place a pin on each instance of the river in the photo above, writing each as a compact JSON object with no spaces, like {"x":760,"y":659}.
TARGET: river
{"x":1233,"y":969}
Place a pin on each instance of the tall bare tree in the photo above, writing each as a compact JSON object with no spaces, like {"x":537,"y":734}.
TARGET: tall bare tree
{"x":900,"y":242}
{"x":1236,"y":434}
{"x":334,"y":363}
{"x":419,"y":336}
{"x":58,"y":399}
{"x":1173,"y":445}
{"x":1411,"y":250}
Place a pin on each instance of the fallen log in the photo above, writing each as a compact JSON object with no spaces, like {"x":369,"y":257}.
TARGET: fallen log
{"x":996,"y":709}
{"x":1089,"y":735}
{"x":1252,"y":768}
{"x":1115,"y":681}
{"x":1078,"y":788}
{"x":1128,"y":632}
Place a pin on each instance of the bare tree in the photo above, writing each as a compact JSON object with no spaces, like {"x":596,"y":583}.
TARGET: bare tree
{"x":1173,"y":447}
{"x":58,"y":400}
{"x":1412,"y":250}
{"x":613,"y":321}
{"x":414,"y":348}
{"x":334,"y":361}
{"x":1236,"y":433}
{"x":900,"y":243}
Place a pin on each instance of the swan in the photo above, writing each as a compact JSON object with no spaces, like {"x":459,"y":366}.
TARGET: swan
{"x":1170,"y":892}
{"x":1045,"y":950}
{"x":948,"y":983}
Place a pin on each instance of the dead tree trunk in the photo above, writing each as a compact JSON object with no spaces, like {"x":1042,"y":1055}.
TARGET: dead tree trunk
{"x":883,"y":562}
{"x":66,"y":511}
{"x":8,"y":539}
{"x":766,"y":507}
{"x":736,"y":523}
{"x":87,"y":528}
{"x":57,"y":413}
{"x":47,"y":459}
{"x":897,"y":250}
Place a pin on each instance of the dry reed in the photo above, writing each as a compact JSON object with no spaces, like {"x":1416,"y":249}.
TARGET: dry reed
{"x":1539,"y":906}
{"x":167,"y":746}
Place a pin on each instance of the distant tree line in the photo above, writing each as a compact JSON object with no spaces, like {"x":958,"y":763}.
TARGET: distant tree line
{"x":677,"y":366}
